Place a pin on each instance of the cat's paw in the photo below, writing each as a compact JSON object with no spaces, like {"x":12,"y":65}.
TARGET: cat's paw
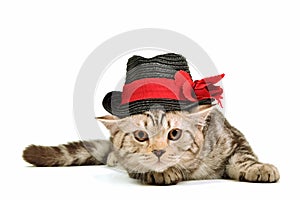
{"x":168,"y":177}
{"x":260,"y":172}
{"x":112,"y":160}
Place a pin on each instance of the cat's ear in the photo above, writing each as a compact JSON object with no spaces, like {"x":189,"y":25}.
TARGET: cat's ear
{"x":200,"y":113}
{"x":111,"y":122}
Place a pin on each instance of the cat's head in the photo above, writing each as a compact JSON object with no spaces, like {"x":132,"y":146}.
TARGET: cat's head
{"x":157,"y":140}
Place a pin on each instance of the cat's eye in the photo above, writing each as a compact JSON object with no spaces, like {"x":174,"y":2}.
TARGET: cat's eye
{"x":141,"y":136}
{"x":174,"y":134}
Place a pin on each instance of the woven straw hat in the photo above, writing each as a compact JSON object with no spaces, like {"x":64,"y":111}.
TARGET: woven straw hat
{"x":162,"y":82}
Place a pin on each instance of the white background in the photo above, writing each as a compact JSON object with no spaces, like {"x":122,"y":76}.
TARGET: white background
{"x":43,"y":45}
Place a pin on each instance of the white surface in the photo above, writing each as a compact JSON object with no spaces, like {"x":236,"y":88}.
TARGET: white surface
{"x":43,"y":45}
{"x":100,"y":182}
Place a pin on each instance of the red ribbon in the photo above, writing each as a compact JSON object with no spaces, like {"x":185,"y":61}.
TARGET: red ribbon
{"x":205,"y":88}
{"x":180,"y":88}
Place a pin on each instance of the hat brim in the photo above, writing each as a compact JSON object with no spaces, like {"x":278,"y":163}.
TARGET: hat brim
{"x":112,"y":104}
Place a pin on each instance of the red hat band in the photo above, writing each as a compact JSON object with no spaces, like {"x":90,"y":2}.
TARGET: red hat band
{"x":181,"y":88}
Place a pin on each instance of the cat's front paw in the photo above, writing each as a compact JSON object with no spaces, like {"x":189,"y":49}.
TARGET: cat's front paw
{"x":112,"y":160}
{"x":260,"y":172}
{"x":169,"y":177}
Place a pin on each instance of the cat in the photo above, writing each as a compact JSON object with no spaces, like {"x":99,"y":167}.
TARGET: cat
{"x":164,"y":148}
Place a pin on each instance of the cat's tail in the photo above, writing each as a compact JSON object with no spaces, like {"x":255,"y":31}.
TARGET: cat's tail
{"x":93,"y":152}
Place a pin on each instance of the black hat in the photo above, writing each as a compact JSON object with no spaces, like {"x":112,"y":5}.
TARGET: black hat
{"x":162,"y":82}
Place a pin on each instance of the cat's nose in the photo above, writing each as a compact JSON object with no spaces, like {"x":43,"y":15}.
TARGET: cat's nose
{"x":158,"y":153}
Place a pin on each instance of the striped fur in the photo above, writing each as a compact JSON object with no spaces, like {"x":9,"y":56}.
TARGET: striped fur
{"x":75,"y":153}
{"x":208,"y":148}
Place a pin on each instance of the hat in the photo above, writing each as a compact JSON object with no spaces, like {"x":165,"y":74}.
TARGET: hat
{"x":161,"y":82}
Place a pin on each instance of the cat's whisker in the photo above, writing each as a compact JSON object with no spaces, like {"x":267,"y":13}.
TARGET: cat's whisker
{"x":201,"y":123}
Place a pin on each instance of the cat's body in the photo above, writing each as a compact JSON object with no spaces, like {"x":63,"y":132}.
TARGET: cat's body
{"x":165,"y":148}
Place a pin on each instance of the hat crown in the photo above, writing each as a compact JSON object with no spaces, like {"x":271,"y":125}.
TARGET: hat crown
{"x":161,"y":66}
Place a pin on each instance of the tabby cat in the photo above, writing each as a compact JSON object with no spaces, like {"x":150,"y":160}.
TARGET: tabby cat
{"x":164,"y":148}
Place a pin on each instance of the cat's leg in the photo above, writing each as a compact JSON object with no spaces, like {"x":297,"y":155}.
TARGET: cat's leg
{"x":243,"y":165}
